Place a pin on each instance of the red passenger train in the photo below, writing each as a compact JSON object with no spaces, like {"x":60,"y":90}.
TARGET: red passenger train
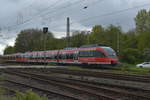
{"x":88,"y":54}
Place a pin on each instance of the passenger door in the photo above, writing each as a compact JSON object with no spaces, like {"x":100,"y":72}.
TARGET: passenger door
{"x":75,"y":56}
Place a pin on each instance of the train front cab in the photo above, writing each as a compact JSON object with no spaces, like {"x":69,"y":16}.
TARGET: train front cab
{"x":110,"y":55}
{"x":98,"y":56}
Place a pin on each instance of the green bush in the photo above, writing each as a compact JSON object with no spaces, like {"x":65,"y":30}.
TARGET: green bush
{"x":2,"y":78}
{"x":131,"y":56}
{"x":28,"y":95}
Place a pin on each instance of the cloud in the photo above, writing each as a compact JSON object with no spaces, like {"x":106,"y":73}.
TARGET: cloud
{"x":53,"y":13}
{"x":5,"y":43}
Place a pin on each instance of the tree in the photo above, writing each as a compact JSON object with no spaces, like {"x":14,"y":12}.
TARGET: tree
{"x":112,"y":36}
{"x":32,"y":40}
{"x":79,"y":38}
{"x":97,"y":35}
{"x":146,"y":54}
{"x":129,"y":40}
{"x":9,"y":50}
{"x":131,"y":55}
{"x":143,"y":40}
{"x":142,"y":21}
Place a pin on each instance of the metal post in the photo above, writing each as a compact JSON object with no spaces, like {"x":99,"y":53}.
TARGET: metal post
{"x":45,"y":48}
{"x":118,"y":43}
{"x":68,"y":32}
{"x":45,"y":30}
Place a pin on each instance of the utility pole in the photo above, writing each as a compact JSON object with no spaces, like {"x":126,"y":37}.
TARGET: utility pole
{"x":118,"y":42}
{"x":68,"y":32}
{"x":45,"y":30}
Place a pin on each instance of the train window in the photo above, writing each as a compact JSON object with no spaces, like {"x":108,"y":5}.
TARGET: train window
{"x":85,"y":54}
{"x":91,"y":54}
{"x":52,"y":56}
{"x":71,"y":56}
{"x":55,"y":56}
{"x":67,"y":56}
{"x":110,"y":51}
{"x":47,"y":57}
{"x":75,"y":56}
{"x":63,"y":56}
{"x":82,"y":53}
{"x":59,"y":56}
{"x":98,"y":54}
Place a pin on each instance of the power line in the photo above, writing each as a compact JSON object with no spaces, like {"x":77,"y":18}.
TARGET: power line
{"x":72,"y":4}
{"x":91,"y":4}
{"x":52,"y":5}
{"x":112,"y":13}
{"x":38,"y":15}
{"x":29,"y":4}
{"x":107,"y":14}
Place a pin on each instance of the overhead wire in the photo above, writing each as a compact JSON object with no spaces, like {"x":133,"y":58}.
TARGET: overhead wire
{"x":91,"y":4}
{"x":108,"y":14}
{"x":115,"y":12}
{"x":29,"y":4}
{"x":76,"y":5}
{"x":61,"y":8}
{"x":27,"y":20}
{"x":37,"y":15}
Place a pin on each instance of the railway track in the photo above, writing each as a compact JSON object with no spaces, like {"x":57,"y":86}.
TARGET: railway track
{"x":15,"y":86}
{"x":136,"y":78}
{"x":95,"y":90}
{"x":43,"y":90}
{"x":86,"y":92}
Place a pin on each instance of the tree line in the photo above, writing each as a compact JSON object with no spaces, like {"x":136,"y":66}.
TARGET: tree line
{"x":131,"y":47}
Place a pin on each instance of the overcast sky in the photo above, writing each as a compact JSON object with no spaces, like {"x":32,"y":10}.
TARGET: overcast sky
{"x":16,"y":15}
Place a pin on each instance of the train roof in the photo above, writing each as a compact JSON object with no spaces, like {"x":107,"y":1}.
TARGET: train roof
{"x":93,"y":46}
{"x":68,"y":49}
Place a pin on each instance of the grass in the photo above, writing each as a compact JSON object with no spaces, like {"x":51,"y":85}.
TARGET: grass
{"x":28,"y":95}
{"x":122,"y":69}
{"x":2,"y":92}
{"x":2,"y":78}
{"x":132,"y":69}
